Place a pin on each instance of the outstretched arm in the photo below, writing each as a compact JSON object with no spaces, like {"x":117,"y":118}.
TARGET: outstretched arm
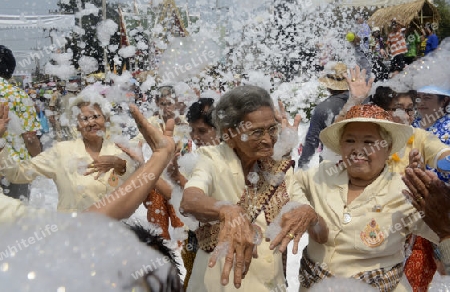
{"x":126,"y":199}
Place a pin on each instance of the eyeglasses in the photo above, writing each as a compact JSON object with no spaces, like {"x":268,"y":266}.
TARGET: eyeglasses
{"x":257,"y":134}
{"x":409,"y":111}
{"x":86,"y":119}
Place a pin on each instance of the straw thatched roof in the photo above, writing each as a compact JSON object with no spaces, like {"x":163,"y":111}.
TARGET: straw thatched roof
{"x":417,"y":13}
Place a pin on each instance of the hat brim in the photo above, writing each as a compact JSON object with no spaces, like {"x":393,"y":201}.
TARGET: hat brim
{"x":444,"y":164}
{"x":333,"y":84}
{"x":331,"y":135}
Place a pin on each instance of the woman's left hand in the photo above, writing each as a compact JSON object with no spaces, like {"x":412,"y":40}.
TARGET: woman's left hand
{"x":294,"y":223}
{"x":105,"y":163}
{"x":282,"y":118}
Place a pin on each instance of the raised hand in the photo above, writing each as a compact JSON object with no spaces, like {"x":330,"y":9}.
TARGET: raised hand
{"x":159,"y":142}
{"x":282,"y":117}
{"x":358,"y":86}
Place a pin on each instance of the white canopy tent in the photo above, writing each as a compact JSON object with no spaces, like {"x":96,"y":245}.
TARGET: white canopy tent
{"x":36,"y":21}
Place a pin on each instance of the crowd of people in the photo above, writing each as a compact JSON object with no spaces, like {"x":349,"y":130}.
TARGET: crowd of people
{"x":378,"y":147}
{"x":386,"y":53}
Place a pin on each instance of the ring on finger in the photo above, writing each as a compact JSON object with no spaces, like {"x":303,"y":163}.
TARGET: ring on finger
{"x":353,"y":79}
{"x":290,"y":235}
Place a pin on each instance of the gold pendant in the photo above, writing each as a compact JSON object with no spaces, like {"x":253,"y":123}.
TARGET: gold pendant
{"x":372,"y":235}
{"x":113,"y":179}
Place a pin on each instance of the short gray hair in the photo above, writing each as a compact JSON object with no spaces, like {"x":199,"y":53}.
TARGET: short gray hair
{"x":238,"y":102}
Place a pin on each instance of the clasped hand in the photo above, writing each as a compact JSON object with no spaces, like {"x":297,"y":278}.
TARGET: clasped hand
{"x":105,"y":163}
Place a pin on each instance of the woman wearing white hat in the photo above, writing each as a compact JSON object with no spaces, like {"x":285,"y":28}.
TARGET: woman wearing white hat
{"x":433,"y":108}
{"x":367,"y":218}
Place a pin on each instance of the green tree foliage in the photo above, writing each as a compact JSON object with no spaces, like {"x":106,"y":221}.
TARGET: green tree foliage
{"x":87,"y":44}
{"x":443,"y":7}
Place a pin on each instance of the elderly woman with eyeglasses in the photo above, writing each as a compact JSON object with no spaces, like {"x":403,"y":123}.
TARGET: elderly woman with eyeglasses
{"x":235,"y":191}
{"x":84,"y":170}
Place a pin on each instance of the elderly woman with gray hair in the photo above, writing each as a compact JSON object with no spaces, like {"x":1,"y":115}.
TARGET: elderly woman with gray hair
{"x":236,"y":190}
{"x":85,"y":169}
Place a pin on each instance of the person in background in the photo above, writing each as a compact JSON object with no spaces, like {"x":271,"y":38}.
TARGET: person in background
{"x":362,"y":54}
{"x":432,"y":39}
{"x":159,"y":210}
{"x":21,"y":140}
{"x":203,"y":133}
{"x":423,"y":42}
{"x":397,"y":47}
{"x":84,"y":170}
{"x":376,"y":44}
{"x":326,"y":111}
{"x":55,"y":111}
{"x":67,"y":132}
{"x":123,"y":202}
{"x":363,"y":31}
{"x":412,"y":43}
{"x":378,"y":50}
{"x":434,"y":117}
{"x":420,"y":265}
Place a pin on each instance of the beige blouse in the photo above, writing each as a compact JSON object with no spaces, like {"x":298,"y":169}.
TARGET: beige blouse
{"x":65,"y":163}
{"x":370,"y":232}
{"x":219,"y":174}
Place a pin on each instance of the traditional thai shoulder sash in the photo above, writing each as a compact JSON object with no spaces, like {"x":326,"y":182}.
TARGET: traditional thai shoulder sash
{"x":385,"y":280}
{"x":268,"y":195}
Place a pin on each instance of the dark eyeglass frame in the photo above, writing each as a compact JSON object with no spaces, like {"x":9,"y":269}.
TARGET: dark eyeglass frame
{"x":257,"y":134}
{"x":409,"y":111}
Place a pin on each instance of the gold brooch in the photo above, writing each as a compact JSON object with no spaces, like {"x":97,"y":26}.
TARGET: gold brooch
{"x":372,"y":235}
{"x":113,"y":179}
